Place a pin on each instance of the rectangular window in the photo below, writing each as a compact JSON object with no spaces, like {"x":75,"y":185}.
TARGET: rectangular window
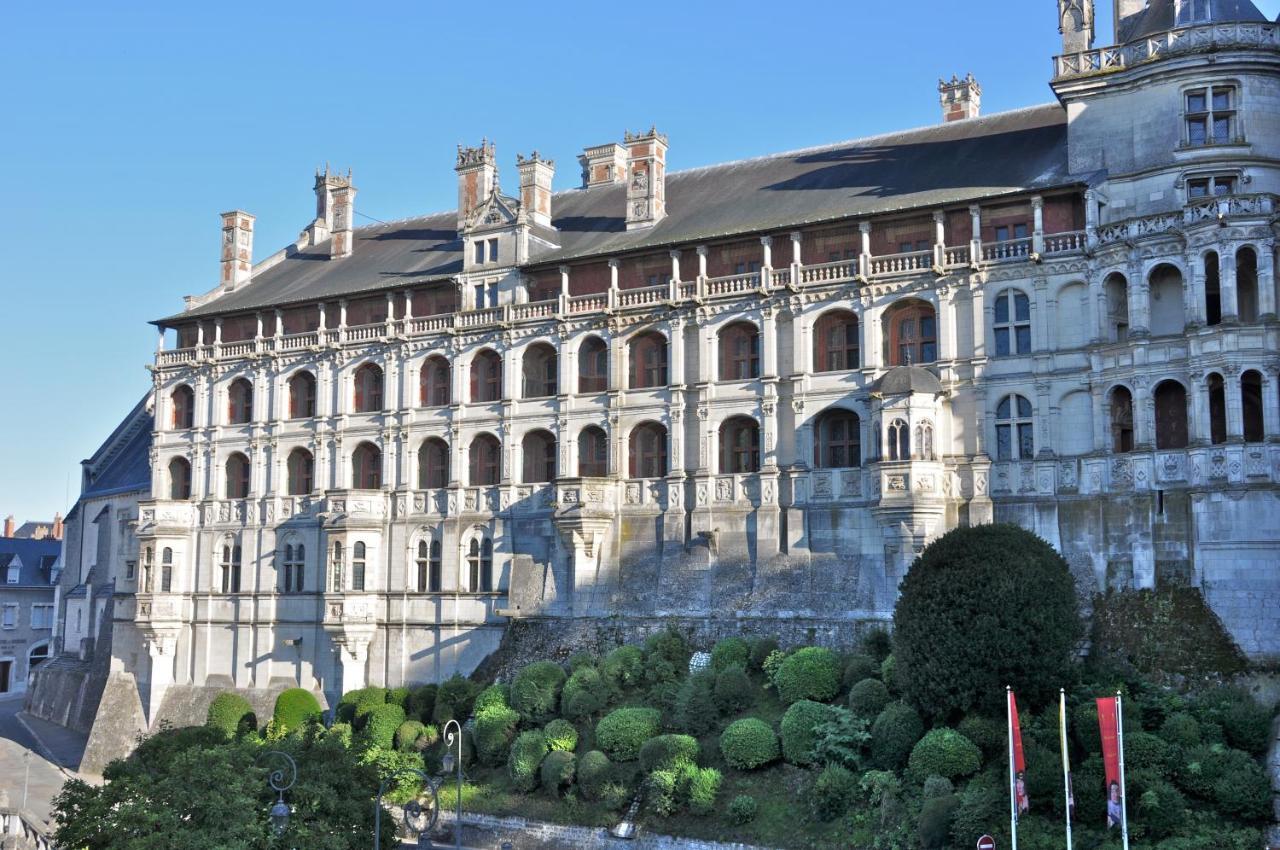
{"x":493,"y":294}
{"x":493,"y":250}
{"x":479,"y":296}
{"x":41,"y":616}
{"x":13,"y":575}
{"x":10,"y":617}
{"x":1214,"y":186}
{"x":1002,"y":233}
{"x":479,"y":249}
{"x":129,"y":567}
{"x":1211,"y":115}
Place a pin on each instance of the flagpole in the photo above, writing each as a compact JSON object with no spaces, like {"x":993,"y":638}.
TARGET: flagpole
{"x":1124,"y":793}
{"x":1013,"y":789}
{"x":1066,"y":770}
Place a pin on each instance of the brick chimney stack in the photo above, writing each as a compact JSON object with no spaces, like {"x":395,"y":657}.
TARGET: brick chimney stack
{"x":477,"y":178}
{"x":237,"y":248}
{"x":344,"y":213}
{"x":9,"y":525}
{"x":535,"y":187}
{"x":326,"y":184}
{"x":56,"y":532}
{"x":603,"y":165}
{"x":646,"y":178}
{"x":960,"y":98}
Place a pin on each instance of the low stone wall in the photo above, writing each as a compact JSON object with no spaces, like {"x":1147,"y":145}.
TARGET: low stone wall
{"x":489,"y":833}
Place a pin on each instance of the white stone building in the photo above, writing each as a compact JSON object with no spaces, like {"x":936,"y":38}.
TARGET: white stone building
{"x":747,"y":393}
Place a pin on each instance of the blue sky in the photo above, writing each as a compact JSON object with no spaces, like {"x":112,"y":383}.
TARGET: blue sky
{"x":130,"y":126}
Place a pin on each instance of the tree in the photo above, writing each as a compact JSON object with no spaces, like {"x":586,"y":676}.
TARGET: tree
{"x":981,"y":608}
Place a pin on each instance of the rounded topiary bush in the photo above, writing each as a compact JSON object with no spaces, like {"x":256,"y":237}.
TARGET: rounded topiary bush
{"x":623,"y":669}
{"x":295,"y":707}
{"x":696,"y":708}
{"x":667,"y":751}
{"x":893,"y":734}
{"x":857,"y":668}
{"x":561,"y":736}
{"x":584,"y":694}
{"x":535,"y":693}
{"x":1181,"y":729}
{"x":868,"y":698}
{"x":557,"y":771}
{"x":666,"y":656}
{"x":742,"y":809}
{"x":382,"y":722}
{"x":762,"y":648}
{"x":455,"y":698}
{"x":798,"y":730}
{"x":494,"y":729}
{"x":594,"y":772}
{"x":833,"y":791}
{"x":407,"y":735}
{"x":748,"y":744}
{"x":811,"y":673}
{"x":734,"y":691}
{"x":990,"y":735}
{"x":983,"y":607}
{"x":400,"y":696}
{"x":231,"y":713}
{"x":494,"y":696}
{"x":526,"y":758}
{"x":944,"y":752}
{"x":730,"y":652}
{"x":622,"y":732}
{"x":355,"y":705}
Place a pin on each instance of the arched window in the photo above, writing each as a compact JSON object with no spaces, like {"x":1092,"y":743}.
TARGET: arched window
{"x":428,"y":566}
{"x":593,"y":453}
{"x":1117,"y":289}
{"x":237,"y":476}
{"x":37,"y":656}
{"x":593,"y":365}
{"x":1012,"y":323}
{"x":1251,"y":406}
{"x":899,"y":442}
{"x":1212,"y":289}
{"x":358,"y":566}
{"x":148,"y":566}
{"x":1247,"y":284}
{"x":839,"y":440}
{"x":433,"y":464}
{"x":913,"y":334}
{"x":368,"y":389}
{"x":295,"y":559}
{"x":480,"y":565}
{"x":301,"y":472}
{"x":166,"y":570}
{"x":739,"y":445}
{"x":1015,"y":434}
{"x":540,"y":365}
{"x":486,"y":376}
{"x":366,"y":467}
{"x":1171,"y":415}
{"x":1165,"y":302}
{"x":184,"y":407}
{"x":433,"y":382}
{"x":485,"y":457}
{"x":230,"y":568}
{"x":648,"y":360}
{"x":302,"y":395}
{"x":924,"y":441}
{"x":835,"y":342}
{"x":539,"y":451}
{"x":739,"y":352}
{"x":1121,"y":420}
{"x":239,"y":402}
{"x":647,"y":451}
{"x":1217,"y":408}
{"x":337,"y":567}
{"x":179,"y":478}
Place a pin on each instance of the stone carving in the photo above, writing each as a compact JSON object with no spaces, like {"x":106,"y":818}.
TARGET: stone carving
{"x":897,"y":483}
{"x":822,"y":485}
{"x":1257,"y":463}
{"x":924,"y":483}
{"x":1067,"y":475}
{"x":724,"y":490}
{"x":851,"y":483}
{"x":1122,"y":472}
{"x":1218,"y":466}
{"x":469,"y":500}
{"x":633,"y":493}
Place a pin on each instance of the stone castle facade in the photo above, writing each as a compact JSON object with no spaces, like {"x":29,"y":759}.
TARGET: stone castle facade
{"x":748,"y":393}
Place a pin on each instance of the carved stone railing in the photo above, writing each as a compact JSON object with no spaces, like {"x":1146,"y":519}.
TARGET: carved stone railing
{"x":1106,"y":60}
{"x":534,"y":310}
{"x":829,"y":272}
{"x":957,"y":256}
{"x":733,"y":284}
{"x":1009,"y":249}
{"x":643,"y":296}
{"x":596,"y":302}
{"x":912,"y":261}
{"x":1063,"y":243}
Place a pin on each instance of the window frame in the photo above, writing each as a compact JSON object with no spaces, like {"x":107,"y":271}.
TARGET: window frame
{"x":538,"y":462}
{"x":593,"y":452}
{"x":434,"y":382}
{"x":593,"y":366}
{"x":183,"y":403}
{"x":240,"y":401}
{"x":649,"y":361}
{"x":486,"y":377}
{"x":368,"y":388}
{"x":484,"y":471}
{"x":540,"y":357}
{"x":366,"y":475}
{"x":1011,"y":328}
{"x":1015,"y":427}
{"x":739,"y":344}
{"x":245,"y":483}
{"x":1210,"y":114}
{"x":302,"y":395}
{"x":433,"y":464}
{"x":850,"y":444}
{"x":739,"y":446}
{"x":829,"y":348}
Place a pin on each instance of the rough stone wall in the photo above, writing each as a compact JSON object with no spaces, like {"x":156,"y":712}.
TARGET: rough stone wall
{"x":484,"y":831}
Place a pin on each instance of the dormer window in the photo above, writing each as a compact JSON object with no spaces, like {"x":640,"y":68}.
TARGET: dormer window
{"x":14,"y":574}
{"x":1211,"y":186}
{"x":1211,"y":115}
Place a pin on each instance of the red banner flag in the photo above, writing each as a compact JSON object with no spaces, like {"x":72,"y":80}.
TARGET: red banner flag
{"x":1107,"y":726}
{"x":1022,"y":803}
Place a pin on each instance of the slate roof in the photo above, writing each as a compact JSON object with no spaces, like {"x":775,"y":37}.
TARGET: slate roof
{"x":37,"y":558}
{"x":123,"y":461}
{"x":903,"y":380}
{"x":1161,"y":16}
{"x":945,"y":164}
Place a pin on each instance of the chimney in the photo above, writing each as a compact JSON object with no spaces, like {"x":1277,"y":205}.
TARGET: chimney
{"x":1075,"y":23}
{"x":344,"y":212}
{"x":8,"y":525}
{"x":535,"y":187}
{"x":326,"y":184}
{"x":477,"y":178}
{"x":646,"y":178}
{"x":603,"y":165}
{"x":237,"y":248}
{"x":960,"y":98}
{"x":1124,"y":12}
{"x":56,"y":533}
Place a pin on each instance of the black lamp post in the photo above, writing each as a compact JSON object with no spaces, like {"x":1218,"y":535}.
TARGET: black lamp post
{"x":418,"y":819}
{"x":452,"y":735}
{"x":281,"y":779}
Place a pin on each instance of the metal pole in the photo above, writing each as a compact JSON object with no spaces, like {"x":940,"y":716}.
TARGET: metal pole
{"x":1013,"y":791}
{"x":1124,"y":792}
{"x":26,"y":782}
{"x":453,"y":733}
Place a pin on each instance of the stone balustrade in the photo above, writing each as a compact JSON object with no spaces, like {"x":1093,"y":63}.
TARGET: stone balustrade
{"x":1217,"y":36}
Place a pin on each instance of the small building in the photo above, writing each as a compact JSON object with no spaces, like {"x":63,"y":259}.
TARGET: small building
{"x":29,"y":569}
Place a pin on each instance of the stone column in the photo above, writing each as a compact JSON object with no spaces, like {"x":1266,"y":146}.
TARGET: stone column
{"x":1193,"y":295}
{"x":1046,"y":418}
{"x":1199,"y":432}
{"x":1235,"y":411}
{"x":978,"y":303}
{"x":975,"y":240}
{"x":613,"y":282}
{"x":939,"y":238}
{"x":706,"y":351}
{"x":675,"y":353}
{"x":1101,"y":418}
{"x":766,"y":245}
{"x":1144,"y":437}
{"x":460,"y":384}
{"x":564,"y":290}
{"x":1097,"y":309}
{"x":1043,"y":318}
{"x":945,"y":326}
{"x":1266,"y":284}
{"x":566,"y":366}
{"x":873,"y":348}
{"x":675,"y":268}
{"x":1037,"y":232}
{"x":769,"y":342}
{"x":864,"y":257}
{"x":1228,"y":284}
{"x":353,"y":656}
{"x":1139,"y":302}
{"x":1091,"y":216}
{"x":1271,"y":402}
{"x":511,"y":372}
{"x":619,"y":367}
{"x":796,"y":239}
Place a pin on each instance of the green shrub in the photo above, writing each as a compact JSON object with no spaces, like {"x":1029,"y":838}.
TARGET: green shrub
{"x":762,"y":648}
{"x":730,"y":652}
{"x":696,"y":708}
{"x":667,"y":751}
{"x":399,"y":696}
{"x":893,"y":735}
{"x":231,"y":713}
{"x":561,"y":736}
{"x":341,"y":732}
{"x":623,"y":669}
{"x":771,"y":664}
{"x":937,"y":786}
{"x":1231,"y":779}
{"x":430,"y":736}
{"x":811,"y":673}
{"x":579,"y":660}
{"x":877,"y":643}
{"x":422,"y":702}
{"x":985,"y":606}
{"x":454,"y":699}
{"x":535,"y":693}
{"x":666,"y":656}
{"x":1246,"y":724}
{"x":799,"y":730}
{"x":494,"y":696}
{"x":748,"y":744}
{"x":662,"y":696}
{"x":594,"y":772}
{"x":495,"y":728}
{"x":991,"y":736}
{"x":733,"y":691}
{"x":526,"y":757}
{"x":584,"y":694}
{"x":856,"y":668}
{"x":868,"y":698}
{"x":703,"y":784}
{"x":889,"y":673}
{"x":1159,"y":807}
{"x":934,"y":826}
{"x":833,"y":791}
{"x":1181,"y":730}
{"x":944,"y":752}
{"x":557,"y":771}
{"x":742,"y":809}
{"x":355,"y":705}
{"x":660,"y":793}
{"x":622,"y":732}
{"x":985,"y":801}
{"x":1144,"y":750}
{"x":295,"y":707}
{"x":841,"y":739}
{"x":1245,"y":795}
{"x":381,"y":723}
{"x":407,"y":735}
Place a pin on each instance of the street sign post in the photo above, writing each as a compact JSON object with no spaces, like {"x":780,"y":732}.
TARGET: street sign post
{"x":986,"y":842}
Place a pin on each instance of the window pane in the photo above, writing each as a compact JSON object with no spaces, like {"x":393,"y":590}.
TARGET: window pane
{"x":1196,"y":101}
{"x":1002,"y":341}
{"x":1022,"y":307}
{"x":927,"y":327}
{"x":1004,"y":448}
{"x":1002,"y":234}
{"x":1221,"y":99}
{"x":1197,"y":131}
{"x":1019,"y":231}
{"x":1002,"y":410}
{"x":1026,"y":445}
{"x":1002,"y":309}
{"x":1198,"y":188}
{"x":1024,"y":408}
{"x":928,"y":352}
{"x":1024,"y":340}
{"x":1222,"y":129}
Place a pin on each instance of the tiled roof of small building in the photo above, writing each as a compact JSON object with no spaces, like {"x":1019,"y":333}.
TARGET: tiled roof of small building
{"x":36,"y":556}
{"x":945,"y":164}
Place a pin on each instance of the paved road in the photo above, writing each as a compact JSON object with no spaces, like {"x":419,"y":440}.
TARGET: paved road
{"x":23,"y":771}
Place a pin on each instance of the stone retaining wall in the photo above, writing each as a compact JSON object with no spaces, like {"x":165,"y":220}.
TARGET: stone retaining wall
{"x":488,"y":833}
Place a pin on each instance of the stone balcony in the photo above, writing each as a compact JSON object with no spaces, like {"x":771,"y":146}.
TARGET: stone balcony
{"x":1115,"y":58}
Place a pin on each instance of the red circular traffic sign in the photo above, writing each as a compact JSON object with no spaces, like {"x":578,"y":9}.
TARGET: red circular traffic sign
{"x":986,"y":842}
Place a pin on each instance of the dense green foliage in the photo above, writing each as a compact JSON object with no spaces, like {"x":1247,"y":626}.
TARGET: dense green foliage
{"x":799,"y":730}
{"x":494,"y":696}
{"x":944,"y":752}
{"x":623,"y":668}
{"x":557,"y":771}
{"x":454,"y":700}
{"x":730,"y":652}
{"x":408,"y":734}
{"x":667,"y":751}
{"x":858,"y":667}
{"x":833,"y":791}
{"x":526,"y":758}
{"x":696,"y":709}
{"x":762,"y":648}
{"x":742,"y":809}
{"x":354,"y":705}
{"x":842,"y":739}
{"x":535,"y":692}
{"x":494,"y":730}
{"x":893,"y":735}
{"x":983,"y":607}
{"x":382,"y":722}
{"x":733,"y":690}
{"x":422,"y":702}
{"x":868,"y":698}
{"x":295,"y":708}
{"x":748,"y":744}
{"x":585,"y":694}
{"x":594,"y":771}
{"x":231,"y":714}
{"x":811,"y":673}
{"x":561,"y":735}
{"x":622,"y":732}
{"x":666,"y":656}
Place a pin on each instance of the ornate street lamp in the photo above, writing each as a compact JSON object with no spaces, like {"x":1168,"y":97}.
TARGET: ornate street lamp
{"x":418,"y":818}
{"x":281,"y":779}
{"x":452,"y":733}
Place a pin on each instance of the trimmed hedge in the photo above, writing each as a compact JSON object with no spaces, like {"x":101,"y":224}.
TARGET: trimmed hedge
{"x":561,"y":736}
{"x":1181,"y":729}
{"x":407,"y":735}
{"x":944,"y":752}
{"x":868,"y":698}
{"x":742,"y":809}
{"x":231,"y":713}
{"x":857,"y":668}
{"x":799,"y":726}
{"x":811,"y":673}
{"x":295,"y":707}
{"x":381,"y":723}
{"x":623,"y":669}
{"x":666,"y":656}
{"x":748,"y":744}
{"x":455,"y":698}
{"x":991,"y":736}
{"x":730,"y":652}
{"x":557,"y":771}
{"x":399,"y":696}
{"x":422,"y":702}
{"x":594,"y":772}
{"x":667,"y":751}
{"x":894,"y":734}
{"x":622,"y":732}
{"x":494,"y":696}
{"x":734,"y":691}
{"x":526,"y":757}
{"x":584,"y":694}
{"x":494,"y":730}
{"x":535,"y":693}
{"x":355,"y":704}
{"x":696,"y":709}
